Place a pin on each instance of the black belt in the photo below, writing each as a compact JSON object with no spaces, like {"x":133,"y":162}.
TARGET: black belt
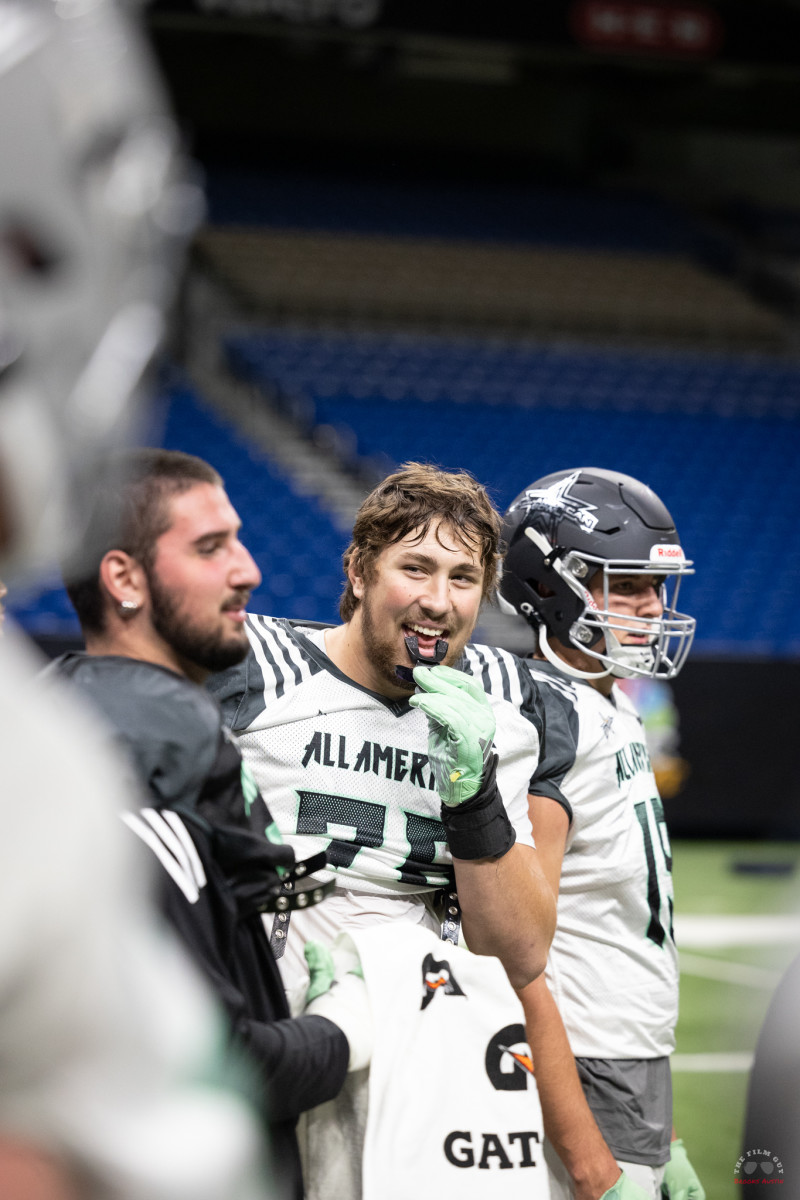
{"x":297,"y":892}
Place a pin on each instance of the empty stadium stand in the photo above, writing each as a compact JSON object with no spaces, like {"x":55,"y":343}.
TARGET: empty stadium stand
{"x":515,"y":259}
{"x":492,"y":328}
{"x":452,"y":285}
{"x":293,"y":541}
{"x":718,"y":438}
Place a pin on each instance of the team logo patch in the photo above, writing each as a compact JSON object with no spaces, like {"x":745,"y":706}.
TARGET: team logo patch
{"x":555,"y":504}
{"x":509,"y":1064}
{"x":437,"y":977}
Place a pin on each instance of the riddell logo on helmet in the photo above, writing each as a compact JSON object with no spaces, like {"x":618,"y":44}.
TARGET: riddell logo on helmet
{"x":662,"y":553}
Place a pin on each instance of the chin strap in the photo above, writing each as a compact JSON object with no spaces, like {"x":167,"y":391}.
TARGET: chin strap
{"x":553,"y":559}
{"x":628,"y":662}
{"x":562,"y":664}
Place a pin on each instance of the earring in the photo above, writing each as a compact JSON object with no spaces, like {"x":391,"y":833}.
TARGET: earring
{"x":128,"y":608}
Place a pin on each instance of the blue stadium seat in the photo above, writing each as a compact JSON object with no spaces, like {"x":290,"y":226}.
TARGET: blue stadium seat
{"x":291,"y":537}
{"x":717,"y":437}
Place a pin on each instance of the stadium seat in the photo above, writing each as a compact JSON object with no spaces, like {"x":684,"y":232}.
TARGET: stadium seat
{"x":291,"y":538}
{"x":717,"y":436}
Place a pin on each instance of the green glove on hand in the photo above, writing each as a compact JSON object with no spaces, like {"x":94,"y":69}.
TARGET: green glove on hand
{"x":680,"y":1178}
{"x":321,"y":969}
{"x":625,"y":1189}
{"x":461,"y":726}
{"x":337,"y":991}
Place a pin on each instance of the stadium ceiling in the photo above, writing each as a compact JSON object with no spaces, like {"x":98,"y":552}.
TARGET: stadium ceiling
{"x":573,"y":88}
{"x":744,"y":31}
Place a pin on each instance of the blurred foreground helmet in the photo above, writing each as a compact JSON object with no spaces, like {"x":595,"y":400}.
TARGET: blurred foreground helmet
{"x":563,"y":529}
{"x":95,"y":208}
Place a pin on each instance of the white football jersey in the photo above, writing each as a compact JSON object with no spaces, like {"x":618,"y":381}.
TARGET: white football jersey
{"x":613,"y":965}
{"x":345,"y":770}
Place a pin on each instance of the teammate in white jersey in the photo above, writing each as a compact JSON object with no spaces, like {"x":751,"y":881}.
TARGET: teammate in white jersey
{"x":590,"y":554}
{"x":344,"y":758}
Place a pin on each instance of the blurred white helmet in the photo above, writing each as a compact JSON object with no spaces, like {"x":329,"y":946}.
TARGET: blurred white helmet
{"x":96,"y":205}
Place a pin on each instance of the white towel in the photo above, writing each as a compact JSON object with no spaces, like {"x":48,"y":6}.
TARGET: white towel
{"x":453,"y":1107}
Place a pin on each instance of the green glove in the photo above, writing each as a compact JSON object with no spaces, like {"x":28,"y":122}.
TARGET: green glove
{"x":461,"y":726}
{"x":680,"y":1178}
{"x":337,"y":991}
{"x":321,"y":969}
{"x":625,"y":1189}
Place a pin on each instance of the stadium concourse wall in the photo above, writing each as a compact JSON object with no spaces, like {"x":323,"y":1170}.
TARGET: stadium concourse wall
{"x":739,"y":722}
{"x":722,"y":737}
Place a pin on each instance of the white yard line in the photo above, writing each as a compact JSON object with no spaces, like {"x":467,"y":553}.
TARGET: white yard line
{"x":728,"y":972}
{"x":701,"y":931}
{"x":712,"y":1062}
{"x":708,"y":932}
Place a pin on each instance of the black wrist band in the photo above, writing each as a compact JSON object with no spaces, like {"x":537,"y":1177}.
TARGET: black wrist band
{"x":480,"y":828}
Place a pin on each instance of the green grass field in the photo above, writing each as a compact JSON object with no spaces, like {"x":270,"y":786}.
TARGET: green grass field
{"x":722,"y":1016}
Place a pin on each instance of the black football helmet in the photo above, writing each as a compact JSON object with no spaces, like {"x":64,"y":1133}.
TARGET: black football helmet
{"x":563,"y":529}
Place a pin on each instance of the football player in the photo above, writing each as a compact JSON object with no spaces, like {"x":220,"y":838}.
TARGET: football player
{"x":403,"y":752}
{"x":594,"y":563}
{"x":162,"y":606}
{"x":339,"y":742}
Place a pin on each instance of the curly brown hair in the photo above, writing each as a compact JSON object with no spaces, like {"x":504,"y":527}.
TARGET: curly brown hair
{"x":411,"y":499}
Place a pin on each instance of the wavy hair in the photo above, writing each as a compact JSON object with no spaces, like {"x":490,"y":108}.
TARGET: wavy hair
{"x":409,"y":501}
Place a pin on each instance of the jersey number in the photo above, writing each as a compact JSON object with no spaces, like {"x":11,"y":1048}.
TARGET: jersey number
{"x":655,"y":930}
{"x":318,"y":811}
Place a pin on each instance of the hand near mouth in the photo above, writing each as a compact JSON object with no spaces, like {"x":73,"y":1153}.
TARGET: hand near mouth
{"x":461,"y":726}
{"x":419,"y":659}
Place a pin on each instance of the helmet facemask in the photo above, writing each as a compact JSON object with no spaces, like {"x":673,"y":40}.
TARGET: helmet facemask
{"x":669,"y":636}
{"x":571,"y":613}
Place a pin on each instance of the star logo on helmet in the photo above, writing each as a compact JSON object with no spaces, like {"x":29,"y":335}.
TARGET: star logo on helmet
{"x":556,"y":502}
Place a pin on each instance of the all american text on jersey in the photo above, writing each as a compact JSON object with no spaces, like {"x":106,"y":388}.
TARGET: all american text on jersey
{"x":391,"y":761}
{"x":631,"y":760}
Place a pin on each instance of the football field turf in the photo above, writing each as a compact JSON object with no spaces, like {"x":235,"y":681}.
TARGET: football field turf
{"x":737,"y":925}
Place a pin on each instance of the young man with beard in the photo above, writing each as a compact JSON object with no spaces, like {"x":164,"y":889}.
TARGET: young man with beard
{"x":403,"y":753}
{"x":593,"y":564}
{"x":162,"y":607}
{"x":353,"y":762}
